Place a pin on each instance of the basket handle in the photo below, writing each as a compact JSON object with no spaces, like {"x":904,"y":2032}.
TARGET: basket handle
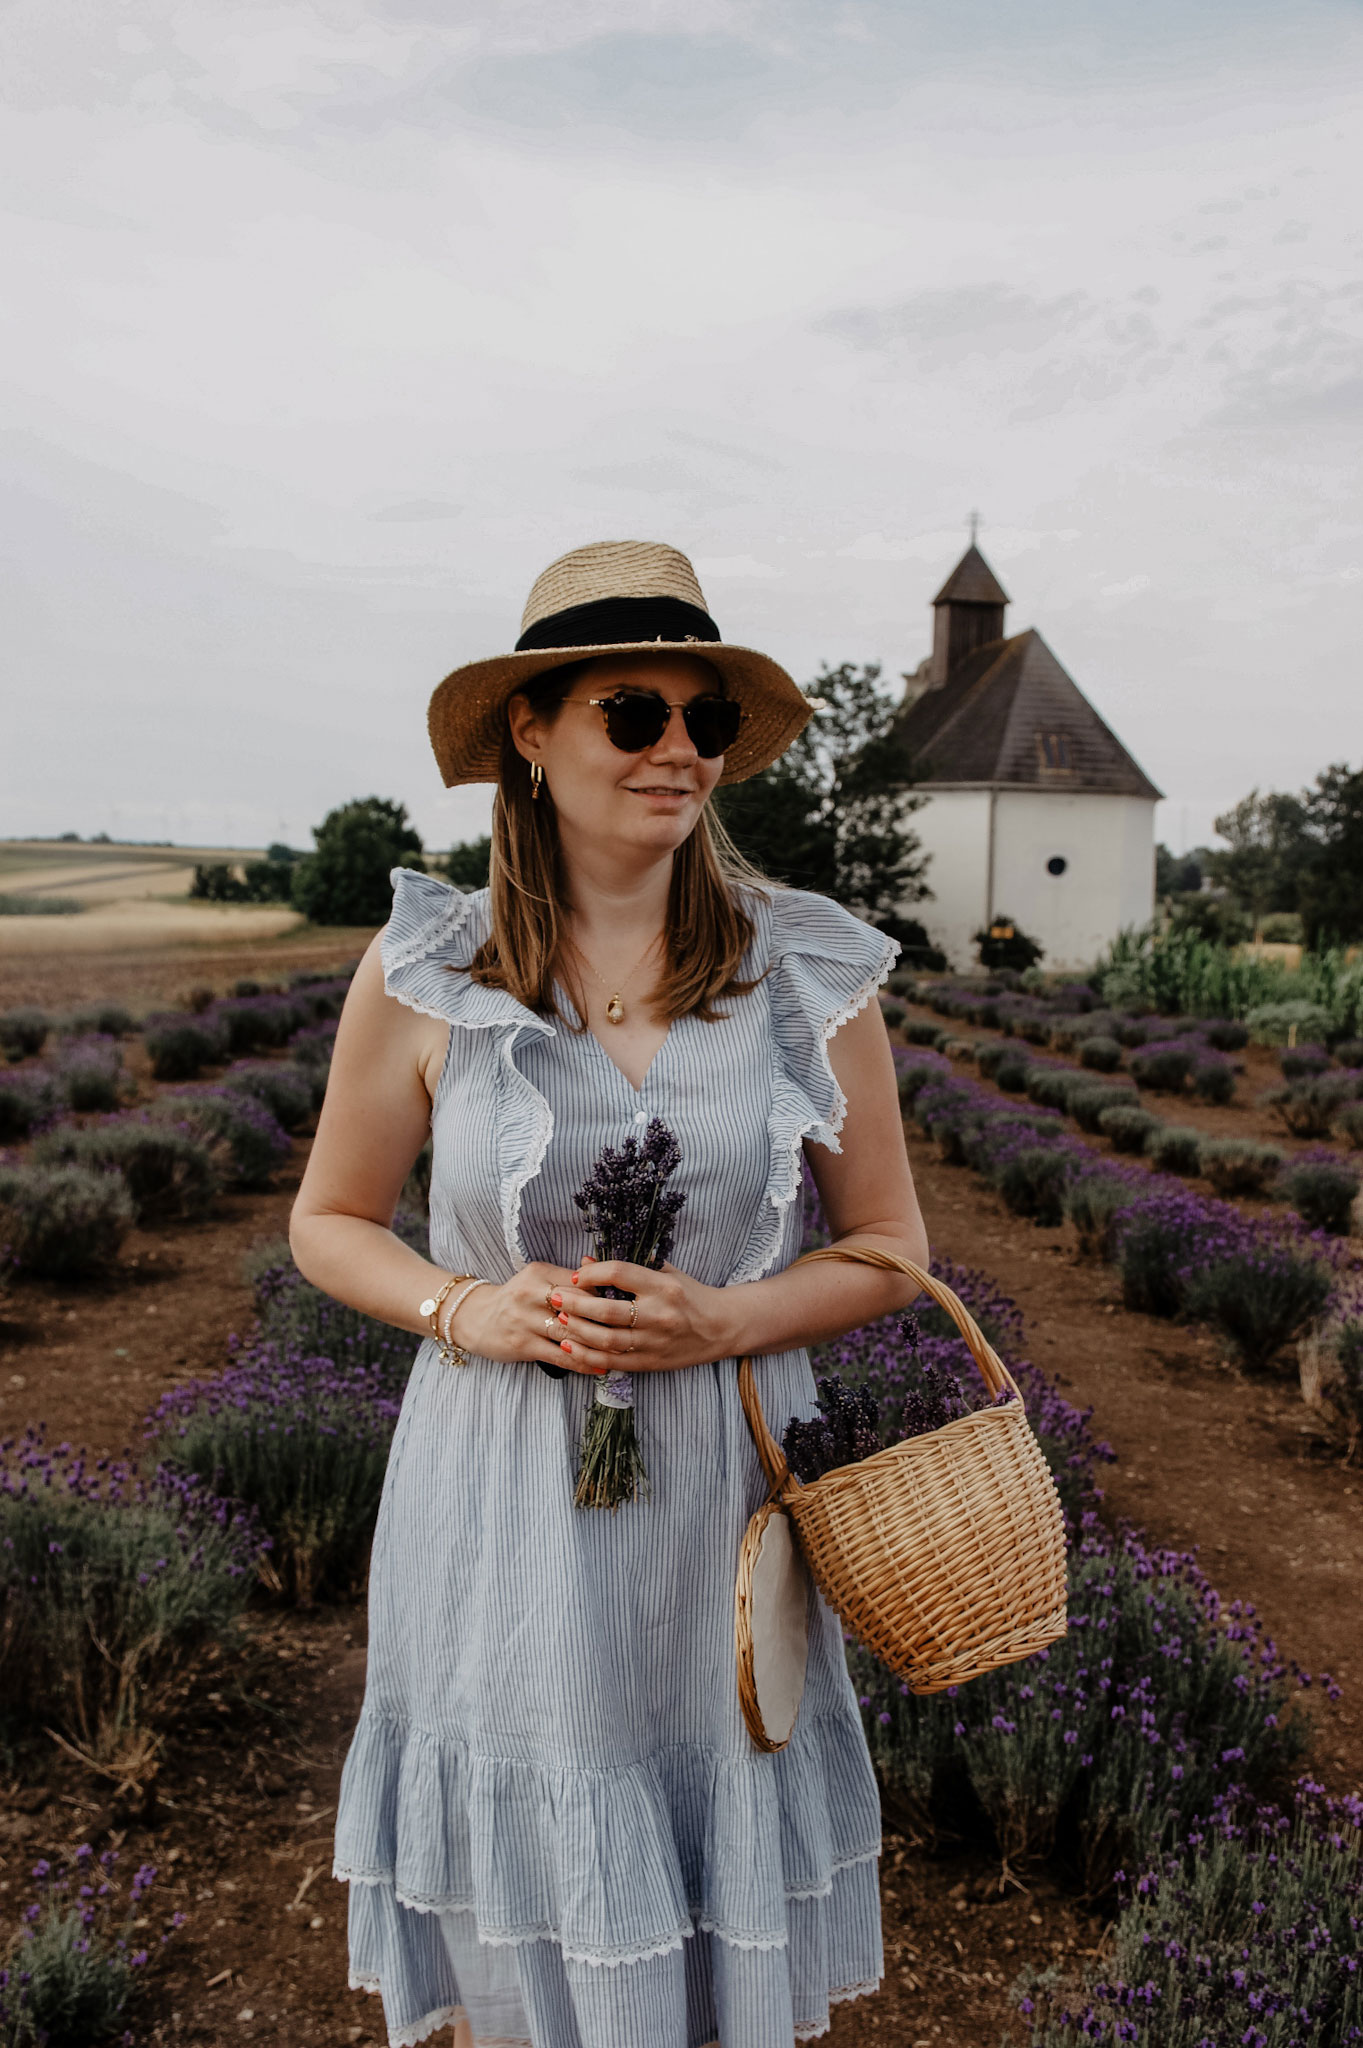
{"x":991,"y":1367}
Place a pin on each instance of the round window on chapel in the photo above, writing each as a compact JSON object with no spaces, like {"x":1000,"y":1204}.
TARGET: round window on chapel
{"x":1057,"y":864}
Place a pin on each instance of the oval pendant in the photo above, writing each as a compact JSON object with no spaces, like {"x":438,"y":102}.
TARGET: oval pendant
{"x":615,"y":1010}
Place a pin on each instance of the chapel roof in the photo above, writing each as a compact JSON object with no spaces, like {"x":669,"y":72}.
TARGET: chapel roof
{"x":1009,"y":716}
{"x":972,"y":581}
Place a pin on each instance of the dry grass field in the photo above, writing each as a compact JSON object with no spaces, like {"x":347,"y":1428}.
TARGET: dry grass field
{"x":131,"y":896}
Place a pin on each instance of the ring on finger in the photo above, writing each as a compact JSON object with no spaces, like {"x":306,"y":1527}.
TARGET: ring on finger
{"x":633,"y":1316}
{"x":551,"y":1322}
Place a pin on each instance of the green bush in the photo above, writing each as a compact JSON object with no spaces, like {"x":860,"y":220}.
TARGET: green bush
{"x":1131,"y":1031}
{"x":1163,"y":1068}
{"x":169,"y":1172}
{"x":990,"y":1055}
{"x":1227,"y":1034}
{"x":1239,"y":1166}
{"x":1102,"y":1054}
{"x":1092,"y":1204}
{"x":1003,"y":944}
{"x":1214,"y":1081}
{"x":1012,"y":1070}
{"x":285,"y":1089}
{"x":1033,"y":1030}
{"x":1051,"y":1087}
{"x":1349,"y":1124}
{"x":1309,"y":1108}
{"x":1260,"y":1299}
{"x":346,"y":880}
{"x":1175,"y":1148}
{"x":180,"y":1044}
{"x":1128,"y":1126}
{"x":1321,"y":1191}
{"x":1349,"y":1052}
{"x":90,"y":1074}
{"x":911,"y":1078}
{"x":23,"y":1032}
{"x":1302,"y":1022}
{"x":27,"y":1099}
{"x":1032,"y":1182}
{"x":108,"y":1020}
{"x":62,"y":1222}
{"x":893,"y":1012}
{"x":922,"y":1031}
{"x":1086,"y":1105}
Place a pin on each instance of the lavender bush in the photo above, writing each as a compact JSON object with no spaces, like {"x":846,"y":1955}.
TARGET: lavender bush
{"x":1175,"y":1148}
{"x":1321,"y":1188}
{"x":106,"y":1020}
{"x":1349,"y":1124}
{"x":303,"y":1443}
{"x":296,"y":1317}
{"x":312,"y":1047}
{"x":180,"y":1044}
{"x":284,"y":1089}
{"x":1159,"y":1697}
{"x":1101,"y":1053}
{"x":1249,"y":1934}
{"x":1260,"y":1292}
{"x":246,"y":1142}
{"x":62,"y":1222}
{"x":75,"y":1968}
{"x":169,"y":1171}
{"x":108,"y":1583}
{"x":1095,"y":1201}
{"x":1165,"y":1068}
{"x":1308,"y":1108}
{"x":1086,"y":1105}
{"x":89,"y":1073}
{"x":1239,"y":1166}
{"x":249,"y":1024}
{"x":28,"y":1099}
{"x":23,"y":1031}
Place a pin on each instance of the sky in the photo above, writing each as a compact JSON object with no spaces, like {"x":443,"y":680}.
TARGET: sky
{"x":325,"y":327}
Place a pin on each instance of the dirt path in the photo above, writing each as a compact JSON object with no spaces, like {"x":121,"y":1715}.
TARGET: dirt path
{"x":161,"y":977}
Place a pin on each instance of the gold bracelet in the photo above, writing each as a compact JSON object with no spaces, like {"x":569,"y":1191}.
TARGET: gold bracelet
{"x":431,"y":1309}
{"x":452,"y":1352}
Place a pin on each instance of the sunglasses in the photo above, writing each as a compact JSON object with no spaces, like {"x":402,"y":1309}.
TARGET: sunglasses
{"x":637,"y":719}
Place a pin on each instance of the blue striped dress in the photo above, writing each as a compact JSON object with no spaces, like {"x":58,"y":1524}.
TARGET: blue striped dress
{"x":556,"y":1829}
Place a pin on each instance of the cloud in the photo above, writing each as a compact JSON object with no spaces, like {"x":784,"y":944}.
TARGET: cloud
{"x":936,"y":328}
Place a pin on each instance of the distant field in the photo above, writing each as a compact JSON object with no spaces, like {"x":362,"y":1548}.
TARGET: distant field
{"x":134,"y":898}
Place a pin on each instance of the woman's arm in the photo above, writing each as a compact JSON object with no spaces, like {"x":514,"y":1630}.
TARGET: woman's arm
{"x":376,"y":1118}
{"x":868,"y":1195}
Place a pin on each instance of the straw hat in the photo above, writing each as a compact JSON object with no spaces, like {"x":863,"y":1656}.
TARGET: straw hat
{"x":614,"y":597}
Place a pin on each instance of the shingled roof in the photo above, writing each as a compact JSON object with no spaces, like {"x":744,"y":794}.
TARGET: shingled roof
{"x":1011,"y":717}
{"x":972,"y":581}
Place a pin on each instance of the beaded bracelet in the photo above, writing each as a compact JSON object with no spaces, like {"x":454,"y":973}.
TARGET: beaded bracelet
{"x":452,"y":1352}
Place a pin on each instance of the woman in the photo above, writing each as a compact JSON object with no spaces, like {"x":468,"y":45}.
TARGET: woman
{"x":556,"y":1828}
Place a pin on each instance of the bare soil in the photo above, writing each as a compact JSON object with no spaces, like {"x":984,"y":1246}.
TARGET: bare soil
{"x":240,"y":1823}
{"x":163,"y":977}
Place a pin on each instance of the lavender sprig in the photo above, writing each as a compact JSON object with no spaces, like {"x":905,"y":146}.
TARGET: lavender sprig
{"x":632,"y":1215}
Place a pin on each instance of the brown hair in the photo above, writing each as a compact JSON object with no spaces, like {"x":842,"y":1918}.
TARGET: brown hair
{"x":707,"y":930}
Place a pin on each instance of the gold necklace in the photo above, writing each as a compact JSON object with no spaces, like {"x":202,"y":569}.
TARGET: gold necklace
{"x":615,"y":1008}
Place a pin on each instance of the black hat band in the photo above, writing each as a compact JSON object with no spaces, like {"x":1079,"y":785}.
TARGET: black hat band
{"x":617,"y":622}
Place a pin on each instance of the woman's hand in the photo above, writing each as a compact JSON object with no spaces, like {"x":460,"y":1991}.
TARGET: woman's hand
{"x":672,"y":1321}
{"x":514,"y":1322}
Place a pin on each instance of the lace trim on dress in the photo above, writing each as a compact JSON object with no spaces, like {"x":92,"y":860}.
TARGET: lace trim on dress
{"x":516,"y":1937}
{"x":784,"y":1183}
{"x":437,"y":932}
{"x":434,"y":2022}
{"x":812,"y":2029}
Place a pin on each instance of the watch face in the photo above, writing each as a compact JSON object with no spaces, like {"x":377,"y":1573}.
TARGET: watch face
{"x":427,"y":1308}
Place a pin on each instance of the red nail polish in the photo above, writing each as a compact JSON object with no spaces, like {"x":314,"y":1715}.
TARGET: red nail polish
{"x":557,"y":1300}
{"x":575,"y":1279}
{"x":565,"y":1347}
{"x":563,"y":1319}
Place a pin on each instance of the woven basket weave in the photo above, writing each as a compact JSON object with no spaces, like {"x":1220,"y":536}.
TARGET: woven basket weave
{"x":945,"y":1554}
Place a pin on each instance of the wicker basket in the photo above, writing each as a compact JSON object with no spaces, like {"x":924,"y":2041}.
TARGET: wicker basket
{"x":945,"y":1554}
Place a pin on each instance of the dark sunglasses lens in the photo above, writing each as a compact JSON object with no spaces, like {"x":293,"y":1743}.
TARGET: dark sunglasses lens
{"x":712,"y":723}
{"x":635,"y":720}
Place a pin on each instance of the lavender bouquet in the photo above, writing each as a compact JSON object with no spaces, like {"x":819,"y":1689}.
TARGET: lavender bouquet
{"x":632,"y":1214}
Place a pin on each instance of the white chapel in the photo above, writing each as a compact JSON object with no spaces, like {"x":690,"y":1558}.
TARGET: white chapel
{"x":1036,"y":812}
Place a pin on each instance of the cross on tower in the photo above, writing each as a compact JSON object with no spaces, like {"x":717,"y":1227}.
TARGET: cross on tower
{"x":974,"y":527}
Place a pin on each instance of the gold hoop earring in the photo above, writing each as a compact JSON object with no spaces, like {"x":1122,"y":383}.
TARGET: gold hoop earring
{"x":536,"y":780}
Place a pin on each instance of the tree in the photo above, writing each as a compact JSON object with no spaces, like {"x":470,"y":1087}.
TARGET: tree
{"x":1262,"y":865}
{"x":346,"y":880}
{"x":1003,"y":944}
{"x":1330,"y":876}
{"x":1179,"y":874}
{"x":832,"y":813}
{"x":468,"y":864}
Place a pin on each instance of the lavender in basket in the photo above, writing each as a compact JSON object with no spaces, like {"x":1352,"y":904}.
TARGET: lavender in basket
{"x":632,"y":1215}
